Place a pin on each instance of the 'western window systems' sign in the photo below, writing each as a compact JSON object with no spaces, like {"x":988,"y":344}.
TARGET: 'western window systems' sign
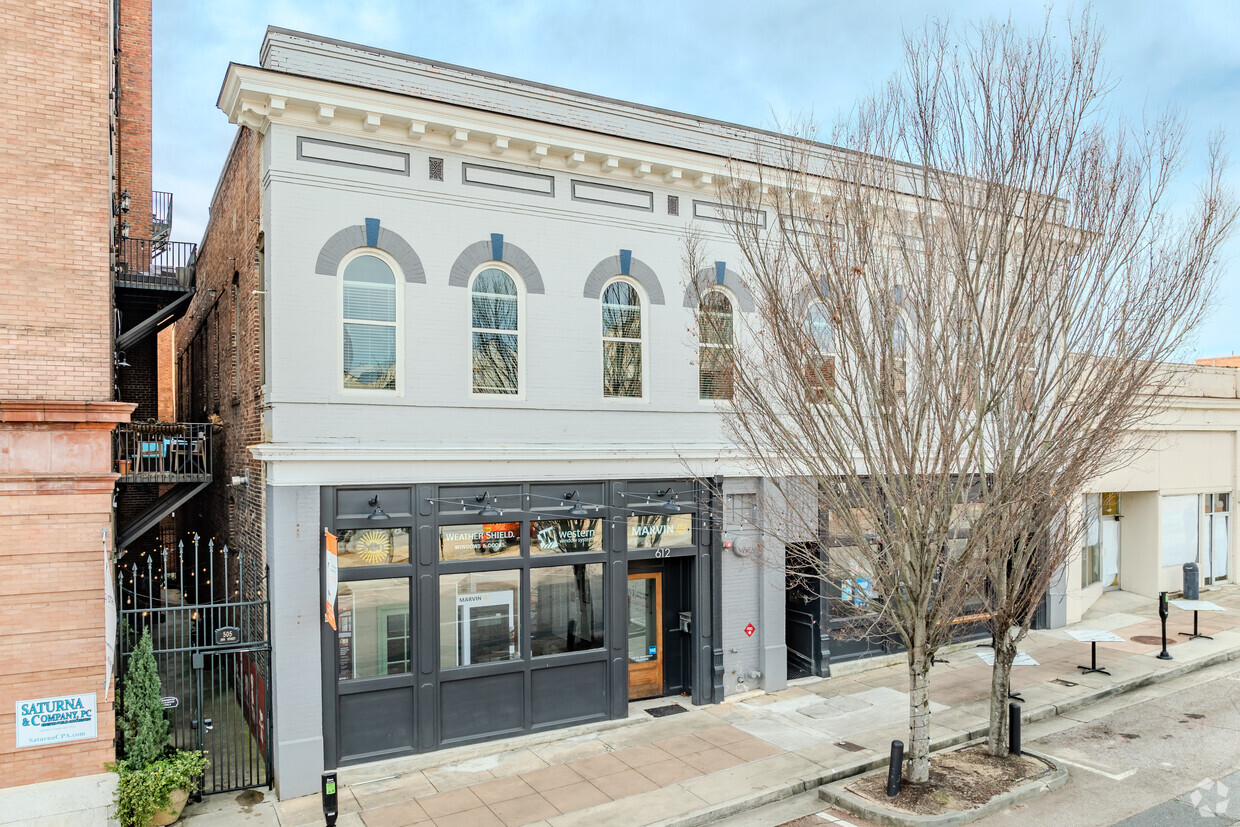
{"x":48,"y":721}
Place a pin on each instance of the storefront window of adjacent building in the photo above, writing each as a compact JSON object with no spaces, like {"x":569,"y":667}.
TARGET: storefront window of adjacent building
{"x":715,"y":334}
{"x":373,"y":628}
{"x":1091,"y":540}
{"x":479,"y":541}
{"x":820,"y":362}
{"x":369,"y":311}
{"x":566,"y":608}
{"x":660,"y":531}
{"x":566,"y":536}
{"x":622,"y":341}
{"x":1179,"y":529}
{"x":373,"y":547}
{"x":851,"y":586}
{"x":479,"y":614}
{"x":495,"y":306}
{"x":1215,"y":559}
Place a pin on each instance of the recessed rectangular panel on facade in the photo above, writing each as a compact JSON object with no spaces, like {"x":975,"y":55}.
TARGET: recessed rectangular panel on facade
{"x":509,"y":179}
{"x":613,"y":195}
{"x":352,"y":155}
{"x":712,"y":211}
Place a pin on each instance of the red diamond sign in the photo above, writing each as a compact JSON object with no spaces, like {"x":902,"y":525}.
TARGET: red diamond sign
{"x":750,"y":629}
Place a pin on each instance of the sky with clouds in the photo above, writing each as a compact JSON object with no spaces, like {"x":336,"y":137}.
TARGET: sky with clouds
{"x":753,"y":63}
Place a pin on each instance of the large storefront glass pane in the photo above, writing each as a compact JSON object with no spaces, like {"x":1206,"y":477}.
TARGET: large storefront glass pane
{"x":566,"y":608}
{"x":478,"y":617}
{"x":373,"y":547}
{"x":1179,"y":530}
{"x":373,"y":625}
{"x":565,"y":536}
{"x":660,"y":531}
{"x":479,"y":542}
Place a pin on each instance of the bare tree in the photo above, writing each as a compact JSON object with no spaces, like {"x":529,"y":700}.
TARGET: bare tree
{"x":960,"y":319}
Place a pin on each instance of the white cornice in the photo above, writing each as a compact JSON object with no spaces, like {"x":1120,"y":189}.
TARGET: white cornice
{"x":256,"y":98}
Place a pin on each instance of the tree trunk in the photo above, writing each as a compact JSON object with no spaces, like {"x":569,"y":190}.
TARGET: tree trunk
{"x":919,"y":719}
{"x":1000,"y":686}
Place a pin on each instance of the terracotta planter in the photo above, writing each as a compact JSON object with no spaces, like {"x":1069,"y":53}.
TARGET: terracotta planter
{"x":122,"y":467}
{"x":165,"y":817}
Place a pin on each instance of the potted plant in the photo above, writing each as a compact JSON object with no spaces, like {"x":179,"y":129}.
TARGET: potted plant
{"x":155,"y":780}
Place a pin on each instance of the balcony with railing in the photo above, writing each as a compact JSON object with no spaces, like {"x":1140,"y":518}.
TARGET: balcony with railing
{"x":146,"y":264}
{"x":163,"y":452}
{"x":161,"y":217}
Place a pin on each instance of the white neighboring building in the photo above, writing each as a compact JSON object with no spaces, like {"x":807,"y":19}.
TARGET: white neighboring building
{"x":1172,"y":504}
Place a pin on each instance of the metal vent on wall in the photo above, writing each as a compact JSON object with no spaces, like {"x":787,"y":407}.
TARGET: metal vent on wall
{"x":673,"y":205}
{"x":436,"y":169}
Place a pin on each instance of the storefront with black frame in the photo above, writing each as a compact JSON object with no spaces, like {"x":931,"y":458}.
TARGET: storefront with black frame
{"x":466,"y":613}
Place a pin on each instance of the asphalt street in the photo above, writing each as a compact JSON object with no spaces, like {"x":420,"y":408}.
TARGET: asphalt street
{"x":1165,"y":755}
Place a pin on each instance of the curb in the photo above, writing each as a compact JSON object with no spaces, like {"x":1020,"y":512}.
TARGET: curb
{"x":796,"y":786}
{"x":1048,"y":781}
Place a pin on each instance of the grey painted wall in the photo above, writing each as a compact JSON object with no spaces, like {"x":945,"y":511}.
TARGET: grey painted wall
{"x":296,"y":614}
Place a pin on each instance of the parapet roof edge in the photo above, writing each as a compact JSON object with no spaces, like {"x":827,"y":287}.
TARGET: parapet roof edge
{"x":689,"y":119}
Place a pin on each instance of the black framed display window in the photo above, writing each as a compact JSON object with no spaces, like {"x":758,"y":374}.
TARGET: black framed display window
{"x":471,"y":612}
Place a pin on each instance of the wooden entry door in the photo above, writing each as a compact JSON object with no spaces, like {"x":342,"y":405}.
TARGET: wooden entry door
{"x":645,"y":635}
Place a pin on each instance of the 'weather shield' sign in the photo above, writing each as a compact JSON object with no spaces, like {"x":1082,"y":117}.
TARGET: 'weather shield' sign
{"x":56,"y":720}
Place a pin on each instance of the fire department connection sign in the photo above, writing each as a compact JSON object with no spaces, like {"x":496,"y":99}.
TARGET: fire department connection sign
{"x":48,"y":721}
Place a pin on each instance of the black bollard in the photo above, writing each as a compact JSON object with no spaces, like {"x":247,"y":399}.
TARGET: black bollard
{"x":1162,"y":614}
{"x":1014,"y":728}
{"x":895,"y":769}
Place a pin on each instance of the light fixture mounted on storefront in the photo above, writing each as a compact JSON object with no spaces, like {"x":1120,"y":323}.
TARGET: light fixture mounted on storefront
{"x":376,"y":513}
{"x":123,"y":203}
{"x":578,"y":510}
{"x":487,"y":510}
{"x":669,"y":505}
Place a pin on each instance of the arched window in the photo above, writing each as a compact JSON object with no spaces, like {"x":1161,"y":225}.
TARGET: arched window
{"x":622,"y":341}
{"x":715,"y":337}
{"x":820,"y":362}
{"x":495,"y":324}
{"x":368,"y":310}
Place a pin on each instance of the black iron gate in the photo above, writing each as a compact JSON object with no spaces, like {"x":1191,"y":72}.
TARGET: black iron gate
{"x":207,"y":612}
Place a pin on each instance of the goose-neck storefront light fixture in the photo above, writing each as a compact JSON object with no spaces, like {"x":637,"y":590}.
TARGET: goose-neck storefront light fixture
{"x":376,"y":513}
{"x":487,"y":509}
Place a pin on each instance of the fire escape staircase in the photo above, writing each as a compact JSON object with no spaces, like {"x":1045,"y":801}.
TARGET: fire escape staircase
{"x":154,"y":281}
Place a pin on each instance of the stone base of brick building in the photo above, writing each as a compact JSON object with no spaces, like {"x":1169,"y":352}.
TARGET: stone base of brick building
{"x":69,"y":801}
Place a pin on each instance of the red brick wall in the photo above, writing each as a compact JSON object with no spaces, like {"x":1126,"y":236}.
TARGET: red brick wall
{"x":133,"y":121}
{"x":55,"y":205}
{"x":55,"y":500}
{"x":219,"y":336}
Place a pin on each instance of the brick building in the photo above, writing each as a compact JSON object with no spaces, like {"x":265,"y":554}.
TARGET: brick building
{"x":85,"y":241}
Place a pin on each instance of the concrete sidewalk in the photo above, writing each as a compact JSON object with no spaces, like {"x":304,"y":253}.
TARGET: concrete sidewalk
{"x":711,"y":762}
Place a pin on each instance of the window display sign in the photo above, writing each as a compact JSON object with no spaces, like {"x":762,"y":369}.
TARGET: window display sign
{"x":374,"y":547}
{"x":565,"y":536}
{"x":470,"y":542}
{"x":660,"y":531}
{"x":47,"y":721}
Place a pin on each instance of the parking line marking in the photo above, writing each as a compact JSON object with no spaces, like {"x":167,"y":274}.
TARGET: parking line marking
{"x":1113,"y":776}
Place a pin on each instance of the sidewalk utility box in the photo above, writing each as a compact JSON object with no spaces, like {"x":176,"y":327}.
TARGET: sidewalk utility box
{"x":1192,"y":580}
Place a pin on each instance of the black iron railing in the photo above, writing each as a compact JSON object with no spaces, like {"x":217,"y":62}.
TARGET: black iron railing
{"x":161,"y":216}
{"x":141,"y":262}
{"x":162,"y":451}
